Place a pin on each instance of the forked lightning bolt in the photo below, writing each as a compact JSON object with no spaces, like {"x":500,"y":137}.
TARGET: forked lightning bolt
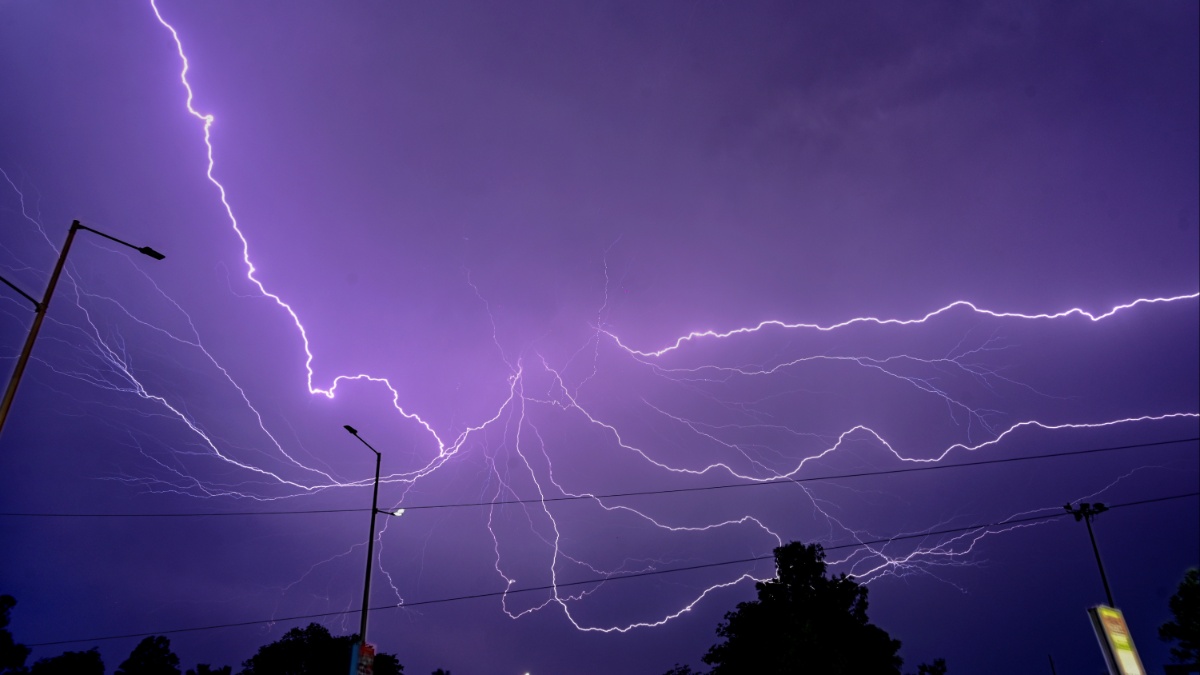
{"x":735,"y":437}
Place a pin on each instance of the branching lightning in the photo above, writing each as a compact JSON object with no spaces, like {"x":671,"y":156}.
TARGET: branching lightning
{"x":732,"y":427}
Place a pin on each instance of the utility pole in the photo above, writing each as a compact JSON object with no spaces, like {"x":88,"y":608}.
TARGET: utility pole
{"x":38,"y":317}
{"x":362,"y":626}
{"x":1086,"y":512}
{"x":40,"y":307}
{"x":363,"y":654}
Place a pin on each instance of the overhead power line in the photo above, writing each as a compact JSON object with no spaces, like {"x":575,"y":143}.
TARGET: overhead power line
{"x":196,"y":514}
{"x":600,"y":580}
{"x":613,"y":495}
{"x":812,"y":479}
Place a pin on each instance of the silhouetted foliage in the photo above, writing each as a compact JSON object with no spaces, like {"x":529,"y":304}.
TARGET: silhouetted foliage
{"x":12,"y":655}
{"x":152,"y":656}
{"x":313,"y":651}
{"x":938,"y":667}
{"x":681,"y":670}
{"x":439,"y":671}
{"x":387,"y":664}
{"x":205,"y":669}
{"x":803,"y":622}
{"x":307,"y":651}
{"x":1184,"y":629}
{"x":70,"y":663}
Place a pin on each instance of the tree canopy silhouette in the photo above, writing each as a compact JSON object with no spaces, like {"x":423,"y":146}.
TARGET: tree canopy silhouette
{"x":803,"y":622}
{"x":388,"y":664}
{"x":206,"y":669}
{"x":152,"y":656}
{"x":301,"y":651}
{"x":1184,"y":628}
{"x":312,"y":651}
{"x":70,"y":663}
{"x":12,"y":655}
{"x":938,"y":667}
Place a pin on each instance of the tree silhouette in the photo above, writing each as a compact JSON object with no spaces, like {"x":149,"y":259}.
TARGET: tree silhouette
{"x":388,"y":664}
{"x":70,"y":663}
{"x":938,"y":667}
{"x":313,"y":651}
{"x":1184,"y":629}
{"x":302,"y":651}
{"x":152,"y":656}
{"x":803,"y":622}
{"x":205,"y":669}
{"x":12,"y":655}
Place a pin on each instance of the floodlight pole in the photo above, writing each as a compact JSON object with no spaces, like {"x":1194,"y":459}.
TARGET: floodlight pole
{"x":40,"y":308}
{"x":1086,"y":512}
{"x":362,"y":626}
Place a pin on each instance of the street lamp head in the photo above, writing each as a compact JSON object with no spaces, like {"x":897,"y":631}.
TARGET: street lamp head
{"x":398,"y":512}
{"x":146,"y":250}
{"x":351,"y":429}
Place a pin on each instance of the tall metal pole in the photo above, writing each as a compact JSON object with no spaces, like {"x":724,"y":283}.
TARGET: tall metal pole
{"x":41,"y":307}
{"x":1095,"y":549}
{"x":362,"y":626}
{"x":1086,"y":512}
{"x":39,"y":316}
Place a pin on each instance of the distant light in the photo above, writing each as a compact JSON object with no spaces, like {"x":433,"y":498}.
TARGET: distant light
{"x":400,"y":512}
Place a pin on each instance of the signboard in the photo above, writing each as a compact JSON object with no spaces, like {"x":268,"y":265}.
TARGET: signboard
{"x":1115,"y":641}
{"x":362,"y":659}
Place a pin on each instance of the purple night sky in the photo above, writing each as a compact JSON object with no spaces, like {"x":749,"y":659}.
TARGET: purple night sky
{"x":491,"y":224}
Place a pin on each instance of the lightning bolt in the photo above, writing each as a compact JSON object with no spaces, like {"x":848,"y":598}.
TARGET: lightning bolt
{"x":775,"y":323}
{"x":732,"y":431}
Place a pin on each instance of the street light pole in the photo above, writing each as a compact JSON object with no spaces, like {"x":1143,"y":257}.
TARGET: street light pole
{"x":40,"y":308}
{"x":1086,"y":512}
{"x":362,"y":626}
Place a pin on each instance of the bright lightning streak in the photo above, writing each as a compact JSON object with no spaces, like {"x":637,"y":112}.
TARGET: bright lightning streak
{"x":519,"y":455}
{"x":207,"y":122}
{"x":775,"y":323}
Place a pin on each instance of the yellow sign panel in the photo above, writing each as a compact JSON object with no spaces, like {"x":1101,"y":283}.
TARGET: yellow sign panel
{"x":1115,"y":641}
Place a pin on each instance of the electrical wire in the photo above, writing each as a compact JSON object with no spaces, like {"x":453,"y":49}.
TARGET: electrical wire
{"x":601,"y":580}
{"x":614,"y":495}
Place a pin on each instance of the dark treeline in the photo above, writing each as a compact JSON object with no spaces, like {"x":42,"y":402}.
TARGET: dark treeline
{"x":804,"y":621}
{"x":301,"y":651}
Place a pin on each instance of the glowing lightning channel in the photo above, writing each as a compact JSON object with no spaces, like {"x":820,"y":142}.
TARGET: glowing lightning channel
{"x":775,"y":323}
{"x":207,"y":120}
{"x":529,"y":454}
